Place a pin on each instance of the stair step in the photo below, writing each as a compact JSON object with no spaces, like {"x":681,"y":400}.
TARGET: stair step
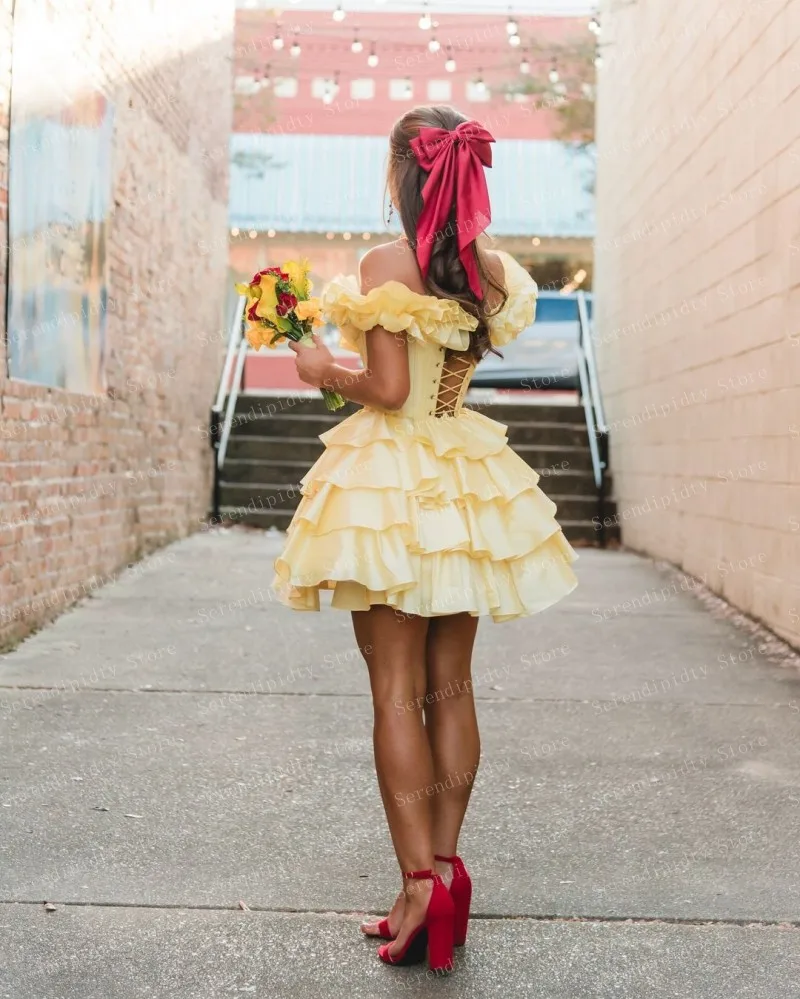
{"x":307,"y":449}
{"x":575,"y":531}
{"x":269,"y":477}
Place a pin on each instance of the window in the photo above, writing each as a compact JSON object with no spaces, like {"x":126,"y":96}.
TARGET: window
{"x":362,"y":89}
{"x":285,"y":86}
{"x":557,"y":309}
{"x":400,"y":90}
{"x":477,"y":91}
{"x":440,"y":90}
{"x":318,"y":86}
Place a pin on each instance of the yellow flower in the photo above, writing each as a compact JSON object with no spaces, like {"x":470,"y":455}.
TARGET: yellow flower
{"x":268,"y":297}
{"x":298,"y":275}
{"x":309,"y":309}
{"x":259,"y":336}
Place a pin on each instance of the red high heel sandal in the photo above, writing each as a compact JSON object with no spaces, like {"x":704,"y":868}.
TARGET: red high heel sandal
{"x":434,"y":934}
{"x":461,"y":892}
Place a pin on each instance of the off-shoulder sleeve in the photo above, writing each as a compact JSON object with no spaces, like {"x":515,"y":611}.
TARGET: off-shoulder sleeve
{"x":520,"y":309}
{"x":396,"y":308}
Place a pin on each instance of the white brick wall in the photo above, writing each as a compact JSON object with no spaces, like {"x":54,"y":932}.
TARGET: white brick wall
{"x":699,"y":230}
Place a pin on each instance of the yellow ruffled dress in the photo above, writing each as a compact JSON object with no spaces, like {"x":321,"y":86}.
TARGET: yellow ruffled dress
{"x":430,"y":514}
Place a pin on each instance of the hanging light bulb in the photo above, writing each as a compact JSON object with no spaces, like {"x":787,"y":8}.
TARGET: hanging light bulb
{"x":294,"y":51}
{"x":525,"y":66}
{"x":372,"y":58}
{"x":511,"y":26}
{"x":336,"y":82}
{"x":425,"y":21}
{"x":450,"y":65}
{"x":409,"y":92}
{"x":339,"y":14}
{"x":327,"y":95}
{"x":434,"y":44}
{"x":594,"y":26}
{"x":480,"y":82}
{"x":514,"y":40}
{"x":552,"y":76}
{"x":598,"y":60}
{"x":277,"y":41}
{"x":358,"y":45}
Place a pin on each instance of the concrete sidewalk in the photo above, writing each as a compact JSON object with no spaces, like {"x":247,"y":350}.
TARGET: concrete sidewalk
{"x":180,"y":744}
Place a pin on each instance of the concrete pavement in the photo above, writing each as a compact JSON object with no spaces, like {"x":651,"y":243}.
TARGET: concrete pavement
{"x":180,"y":745}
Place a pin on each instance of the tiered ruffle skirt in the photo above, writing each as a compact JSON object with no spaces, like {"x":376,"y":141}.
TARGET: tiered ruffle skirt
{"x":430,"y":517}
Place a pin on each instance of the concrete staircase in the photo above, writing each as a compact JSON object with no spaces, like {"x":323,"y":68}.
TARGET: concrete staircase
{"x":274,"y":440}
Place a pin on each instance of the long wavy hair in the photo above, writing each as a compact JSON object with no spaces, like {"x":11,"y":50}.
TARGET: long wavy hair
{"x":447,"y":277}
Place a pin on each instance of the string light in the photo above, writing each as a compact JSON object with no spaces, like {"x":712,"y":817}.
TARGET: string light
{"x":409,"y":91}
{"x":480,"y":83}
{"x":525,"y":66}
{"x":450,"y":65}
{"x":434,"y":45}
{"x":425,"y":21}
{"x":252,"y":234}
{"x":594,"y":26}
{"x":294,"y":51}
{"x":277,"y":41}
{"x":598,"y":61}
{"x":339,"y":14}
{"x":271,"y":233}
{"x":552,"y":76}
{"x":358,"y":45}
{"x":511,"y":26}
{"x":347,"y":235}
{"x":366,"y":235}
{"x":329,"y":235}
{"x":514,"y":40}
{"x":234,"y":231}
{"x":372,"y":59}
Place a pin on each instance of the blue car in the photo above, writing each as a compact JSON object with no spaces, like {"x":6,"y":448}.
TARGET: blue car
{"x":545,"y":355}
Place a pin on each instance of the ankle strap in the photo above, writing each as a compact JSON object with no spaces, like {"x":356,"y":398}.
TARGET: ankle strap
{"x":446,"y":860}
{"x":420,"y":875}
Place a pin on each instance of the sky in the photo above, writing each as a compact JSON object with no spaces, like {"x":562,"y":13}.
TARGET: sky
{"x":529,"y":8}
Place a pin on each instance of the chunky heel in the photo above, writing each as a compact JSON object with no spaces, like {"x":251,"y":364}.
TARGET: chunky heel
{"x":434,"y":934}
{"x":461,"y":892}
{"x":440,"y":944}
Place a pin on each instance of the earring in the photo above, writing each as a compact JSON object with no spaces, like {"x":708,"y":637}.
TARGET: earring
{"x":391,"y":212}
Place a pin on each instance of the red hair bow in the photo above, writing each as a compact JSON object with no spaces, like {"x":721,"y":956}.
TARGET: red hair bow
{"x":454,"y":161}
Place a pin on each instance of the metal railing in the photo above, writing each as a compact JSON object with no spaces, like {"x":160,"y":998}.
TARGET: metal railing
{"x":230,"y":383}
{"x":593,"y":409}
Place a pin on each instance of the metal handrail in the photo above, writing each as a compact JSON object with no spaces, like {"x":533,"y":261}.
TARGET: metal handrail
{"x":593,"y":408}
{"x":220,"y":429}
{"x":591,"y":362}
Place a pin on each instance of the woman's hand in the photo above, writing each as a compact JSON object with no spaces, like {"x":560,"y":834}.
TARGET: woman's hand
{"x":314,"y":364}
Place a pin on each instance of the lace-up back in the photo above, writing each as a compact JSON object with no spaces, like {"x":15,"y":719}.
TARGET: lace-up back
{"x":453,"y":383}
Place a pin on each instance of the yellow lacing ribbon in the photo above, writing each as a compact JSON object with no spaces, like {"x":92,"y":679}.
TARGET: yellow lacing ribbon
{"x":458,"y":367}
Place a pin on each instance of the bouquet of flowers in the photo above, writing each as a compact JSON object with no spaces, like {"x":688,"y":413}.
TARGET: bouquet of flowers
{"x":280,"y":307}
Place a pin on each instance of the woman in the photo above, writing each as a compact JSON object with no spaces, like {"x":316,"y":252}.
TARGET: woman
{"x":418,"y":515}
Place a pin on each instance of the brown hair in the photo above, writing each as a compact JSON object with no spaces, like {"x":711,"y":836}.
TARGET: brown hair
{"x":447,"y":277}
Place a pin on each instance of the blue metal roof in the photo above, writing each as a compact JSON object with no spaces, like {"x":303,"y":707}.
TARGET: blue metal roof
{"x":321,"y":183}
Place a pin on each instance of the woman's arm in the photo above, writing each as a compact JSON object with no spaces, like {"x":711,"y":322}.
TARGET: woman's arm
{"x":385,"y":382}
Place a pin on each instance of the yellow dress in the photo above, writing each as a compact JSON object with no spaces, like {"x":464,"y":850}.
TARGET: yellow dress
{"x":427,"y":508}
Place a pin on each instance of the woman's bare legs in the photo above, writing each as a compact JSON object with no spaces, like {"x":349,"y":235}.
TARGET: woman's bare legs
{"x":362,"y":626}
{"x":452,"y":727}
{"x":397,"y":674}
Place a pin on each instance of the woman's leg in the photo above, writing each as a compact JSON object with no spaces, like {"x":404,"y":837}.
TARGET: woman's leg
{"x":397,"y":673}
{"x":452,"y":727}
{"x":362,"y":626}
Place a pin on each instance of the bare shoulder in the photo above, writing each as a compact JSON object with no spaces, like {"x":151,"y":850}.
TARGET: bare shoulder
{"x":393,"y":261}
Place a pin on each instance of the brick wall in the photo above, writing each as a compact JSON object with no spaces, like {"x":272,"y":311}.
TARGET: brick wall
{"x":90,"y":483}
{"x":698,"y":284}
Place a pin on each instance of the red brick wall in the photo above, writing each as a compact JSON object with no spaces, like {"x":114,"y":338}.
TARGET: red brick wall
{"x":479,"y":43}
{"x":89,"y":483}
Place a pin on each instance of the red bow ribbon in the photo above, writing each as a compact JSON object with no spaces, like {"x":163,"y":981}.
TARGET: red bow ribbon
{"x":454,"y":161}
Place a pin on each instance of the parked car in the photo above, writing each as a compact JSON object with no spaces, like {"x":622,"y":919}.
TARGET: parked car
{"x":545,"y":355}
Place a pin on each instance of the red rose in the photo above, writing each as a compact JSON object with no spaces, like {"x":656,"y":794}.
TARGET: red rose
{"x":285,"y":304}
{"x":251,"y":313}
{"x":267,"y":270}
